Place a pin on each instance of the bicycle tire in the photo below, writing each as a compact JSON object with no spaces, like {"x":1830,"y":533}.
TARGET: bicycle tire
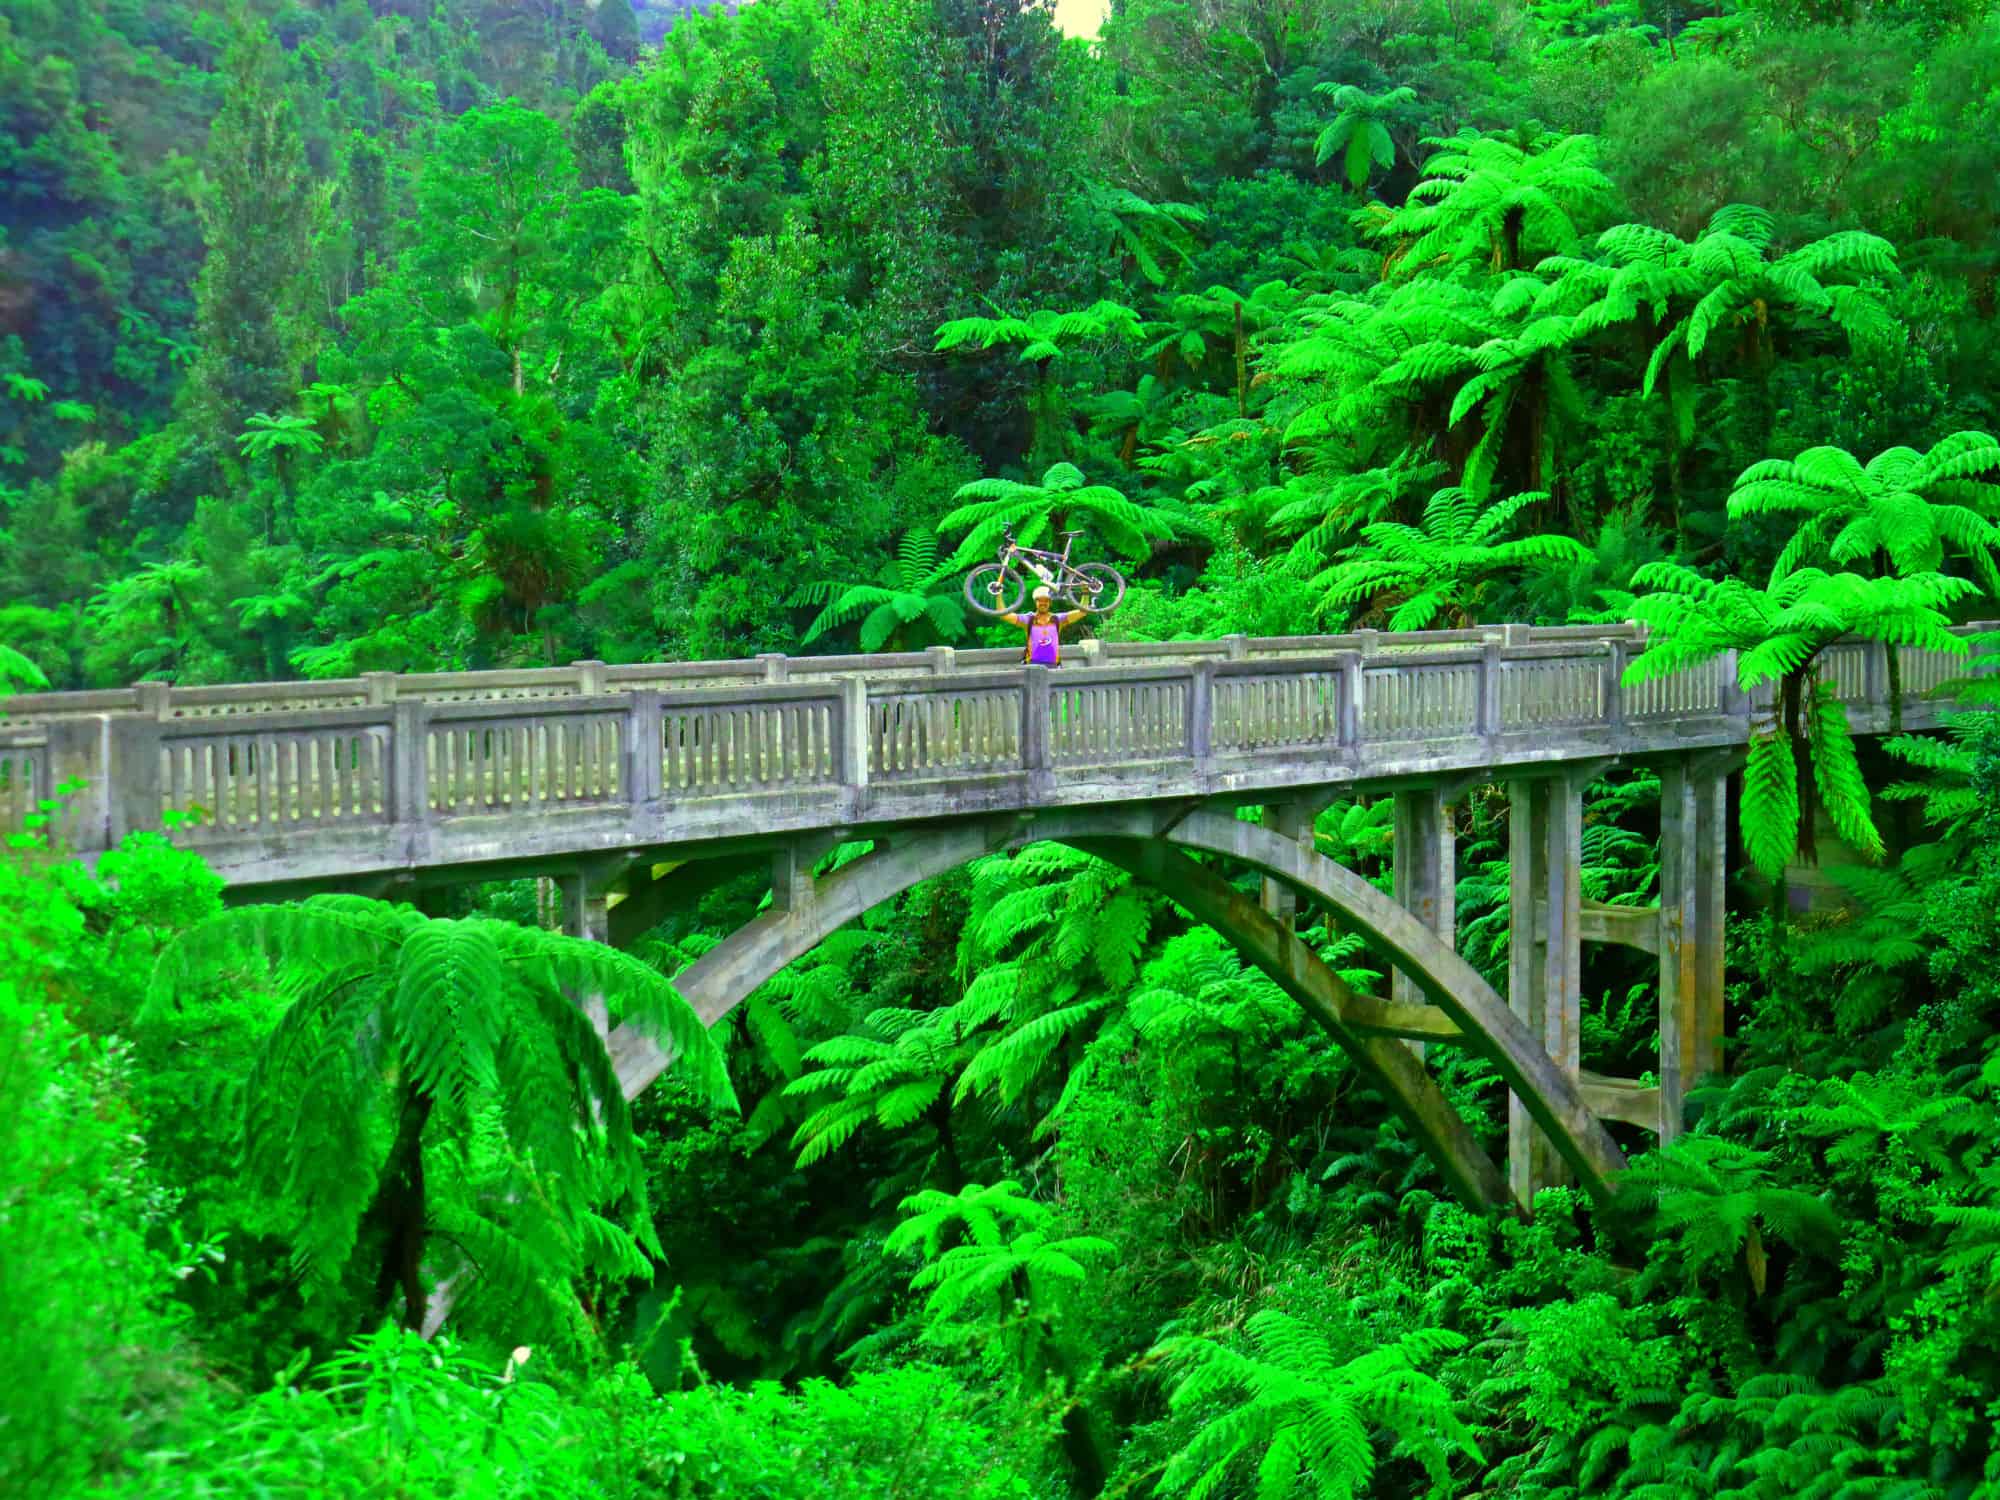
{"x":1096,"y":587}
{"x":994,"y":589}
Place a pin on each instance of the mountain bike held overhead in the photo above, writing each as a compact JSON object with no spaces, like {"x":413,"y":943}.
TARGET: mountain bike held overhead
{"x":995,"y":588}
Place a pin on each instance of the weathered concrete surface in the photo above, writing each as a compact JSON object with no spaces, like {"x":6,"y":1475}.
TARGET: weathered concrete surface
{"x":1139,"y":838}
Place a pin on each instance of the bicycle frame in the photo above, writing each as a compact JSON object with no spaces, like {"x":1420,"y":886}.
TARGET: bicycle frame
{"x":1015,"y":552}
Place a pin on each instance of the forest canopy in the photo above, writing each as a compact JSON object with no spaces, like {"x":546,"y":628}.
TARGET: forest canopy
{"x":345,"y":336}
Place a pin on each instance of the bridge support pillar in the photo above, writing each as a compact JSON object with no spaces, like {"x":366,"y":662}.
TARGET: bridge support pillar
{"x":586,"y":915}
{"x":1544,"y":963}
{"x":1294,"y":821}
{"x":1694,"y":832}
{"x":1426,"y":865}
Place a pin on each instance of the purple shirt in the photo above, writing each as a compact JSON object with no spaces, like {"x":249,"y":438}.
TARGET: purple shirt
{"x":1044,"y":641}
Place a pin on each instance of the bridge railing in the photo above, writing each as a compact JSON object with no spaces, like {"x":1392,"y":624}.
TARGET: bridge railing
{"x":251,"y":768}
{"x":585,"y":678}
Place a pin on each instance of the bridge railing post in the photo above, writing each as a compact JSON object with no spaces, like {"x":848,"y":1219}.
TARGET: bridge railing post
{"x":853,"y":740}
{"x":79,"y":753}
{"x":1874,"y":683}
{"x":589,"y":677}
{"x":1491,"y":644}
{"x":1736,"y":703}
{"x":645,"y":739}
{"x":1617,"y":655}
{"x":942,"y":660}
{"x":1353,"y":681}
{"x":1036,"y":702}
{"x":409,"y":762}
{"x":777,"y":666}
{"x":134,"y":774}
{"x":380,"y":688}
{"x":1201,"y":711}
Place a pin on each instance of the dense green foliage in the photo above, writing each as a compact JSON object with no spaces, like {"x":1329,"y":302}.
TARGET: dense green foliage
{"x":347,"y":335}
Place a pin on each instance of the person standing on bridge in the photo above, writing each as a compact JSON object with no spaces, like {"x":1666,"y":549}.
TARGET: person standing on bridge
{"x":1044,"y":627}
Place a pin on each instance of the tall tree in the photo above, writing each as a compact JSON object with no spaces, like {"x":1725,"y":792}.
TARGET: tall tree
{"x":259,"y":210}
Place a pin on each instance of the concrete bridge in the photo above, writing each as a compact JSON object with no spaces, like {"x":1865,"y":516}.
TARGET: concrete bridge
{"x":625,"y":781}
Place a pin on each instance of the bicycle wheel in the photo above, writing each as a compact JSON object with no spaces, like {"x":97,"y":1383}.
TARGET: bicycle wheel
{"x":1096,"y":587}
{"x":994,"y":589}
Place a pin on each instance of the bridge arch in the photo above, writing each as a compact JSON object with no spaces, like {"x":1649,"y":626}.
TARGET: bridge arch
{"x":1157,"y":847}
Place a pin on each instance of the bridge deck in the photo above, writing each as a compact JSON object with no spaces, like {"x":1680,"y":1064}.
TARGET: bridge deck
{"x":321,"y":782}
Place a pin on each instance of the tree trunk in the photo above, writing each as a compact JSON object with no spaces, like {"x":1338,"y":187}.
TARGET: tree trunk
{"x":1793,"y":704}
{"x":400,"y":1205}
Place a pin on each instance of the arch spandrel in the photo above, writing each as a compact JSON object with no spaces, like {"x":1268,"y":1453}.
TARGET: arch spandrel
{"x":1155,"y":848}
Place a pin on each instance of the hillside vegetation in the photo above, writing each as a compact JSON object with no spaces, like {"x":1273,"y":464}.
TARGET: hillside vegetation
{"x":371,"y":335}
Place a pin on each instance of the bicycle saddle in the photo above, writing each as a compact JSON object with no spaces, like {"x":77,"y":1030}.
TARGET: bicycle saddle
{"x":1077,"y":532}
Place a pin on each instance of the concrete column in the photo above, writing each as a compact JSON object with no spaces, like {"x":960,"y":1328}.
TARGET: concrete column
{"x":792,"y":877}
{"x":586,"y":915}
{"x":1292,"y":820}
{"x":1693,"y":851}
{"x":1711,"y":812}
{"x":1678,"y":926}
{"x":1544,"y":968}
{"x":1426,"y":867}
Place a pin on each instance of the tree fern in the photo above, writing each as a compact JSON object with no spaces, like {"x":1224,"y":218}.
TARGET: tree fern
{"x":1778,"y":633}
{"x":1037,"y":511}
{"x":916,"y":600}
{"x":404,"y":1041}
{"x":1903,"y":512}
{"x":1713,"y":1200}
{"x":1497,"y":202}
{"x":1147,"y":234}
{"x":1433,"y":575}
{"x":16,"y":671}
{"x":1359,"y":134}
{"x":1005,"y":1277}
{"x":1293,"y":1418}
